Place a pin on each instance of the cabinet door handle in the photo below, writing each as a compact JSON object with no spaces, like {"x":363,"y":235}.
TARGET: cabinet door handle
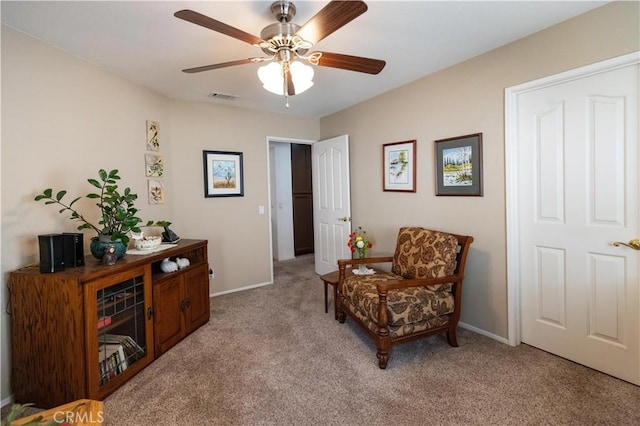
{"x":185,"y":304}
{"x":149,"y":313}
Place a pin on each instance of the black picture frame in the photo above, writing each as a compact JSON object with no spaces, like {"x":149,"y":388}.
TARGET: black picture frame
{"x":459,"y":166}
{"x":223,"y":174}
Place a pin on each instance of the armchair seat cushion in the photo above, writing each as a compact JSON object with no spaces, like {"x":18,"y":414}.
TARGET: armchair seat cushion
{"x":405,"y":306}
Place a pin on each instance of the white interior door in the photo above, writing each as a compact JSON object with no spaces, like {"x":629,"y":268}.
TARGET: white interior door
{"x":331,"y":202}
{"x":577,"y":193}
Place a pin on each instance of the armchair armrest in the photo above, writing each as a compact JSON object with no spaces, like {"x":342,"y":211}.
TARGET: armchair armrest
{"x":342,"y":266}
{"x":398,"y":284}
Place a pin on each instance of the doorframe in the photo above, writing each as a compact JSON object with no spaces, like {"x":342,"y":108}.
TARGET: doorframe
{"x":277,"y":139}
{"x":511,"y":173}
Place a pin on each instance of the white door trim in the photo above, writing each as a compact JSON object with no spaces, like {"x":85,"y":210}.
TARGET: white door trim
{"x":511,"y":174}
{"x":268,"y":223}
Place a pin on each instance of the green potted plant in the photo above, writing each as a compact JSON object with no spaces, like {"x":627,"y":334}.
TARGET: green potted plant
{"x":118,"y":215}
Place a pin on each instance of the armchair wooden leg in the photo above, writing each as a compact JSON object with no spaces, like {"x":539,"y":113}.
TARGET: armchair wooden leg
{"x":340,"y":316}
{"x":451,"y":337}
{"x":383,"y":359}
{"x":384,"y":346}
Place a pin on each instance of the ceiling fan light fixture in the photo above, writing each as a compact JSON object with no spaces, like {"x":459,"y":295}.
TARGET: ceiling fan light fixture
{"x":272,"y":77}
{"x":302,"y":76}
{"x":286,"y":44}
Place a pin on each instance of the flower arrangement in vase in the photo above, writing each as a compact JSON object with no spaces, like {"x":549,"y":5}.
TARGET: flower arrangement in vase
{"x":359,"y":243}
{"x":118,"y":214}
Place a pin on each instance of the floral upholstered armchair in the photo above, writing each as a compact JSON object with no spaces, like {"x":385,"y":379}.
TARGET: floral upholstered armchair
{"x":421,"y":296}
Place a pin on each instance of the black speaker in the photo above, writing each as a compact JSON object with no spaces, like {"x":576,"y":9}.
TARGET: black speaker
{"x":51,"y":252}
{"x":73,"y":249}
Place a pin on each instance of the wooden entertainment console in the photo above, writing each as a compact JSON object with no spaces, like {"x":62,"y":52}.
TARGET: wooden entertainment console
{"x":81,"y":333}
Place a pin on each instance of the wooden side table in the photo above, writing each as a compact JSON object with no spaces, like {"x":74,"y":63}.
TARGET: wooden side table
{"x":332,"y":279}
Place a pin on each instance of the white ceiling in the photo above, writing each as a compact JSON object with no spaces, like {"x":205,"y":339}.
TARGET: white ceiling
{"x":142,"y":41}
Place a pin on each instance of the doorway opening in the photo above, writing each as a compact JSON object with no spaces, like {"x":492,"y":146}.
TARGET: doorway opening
{"x":290,"y":198}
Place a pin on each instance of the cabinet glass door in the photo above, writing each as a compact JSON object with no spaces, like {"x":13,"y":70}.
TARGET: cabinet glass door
{"x":121,"y":327}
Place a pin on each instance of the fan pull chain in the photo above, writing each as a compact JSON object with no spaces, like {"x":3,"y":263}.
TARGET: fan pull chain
{"x":285,"y":86}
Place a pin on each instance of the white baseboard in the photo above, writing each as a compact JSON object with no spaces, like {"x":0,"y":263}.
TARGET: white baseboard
{"x":484,"y":333}
{"x":6,"y":401}
{"x":235,"y":290}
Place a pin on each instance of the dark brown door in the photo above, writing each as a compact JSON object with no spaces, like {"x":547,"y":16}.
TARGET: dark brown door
{"x":302,"y":199}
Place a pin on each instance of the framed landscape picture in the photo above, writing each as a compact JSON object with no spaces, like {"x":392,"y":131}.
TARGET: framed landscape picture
{"x":223,"y":174}
{"x":399,"y":166}
{"x":459,"y":165}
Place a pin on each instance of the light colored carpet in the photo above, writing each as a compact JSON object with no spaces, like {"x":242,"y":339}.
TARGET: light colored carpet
{"x":272,"y":356}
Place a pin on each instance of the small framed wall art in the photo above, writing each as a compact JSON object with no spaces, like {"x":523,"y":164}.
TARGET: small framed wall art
{"x":399,"y":166}
{"x":154,"y":165}
{"x":223,"y":176}
{"x":459,"y":165}
{"x":153,"y":135}
{"x":156,"y":191}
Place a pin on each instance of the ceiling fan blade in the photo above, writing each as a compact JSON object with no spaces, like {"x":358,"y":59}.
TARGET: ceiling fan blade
{"x":224,"y":65}
{"x":351,"y":63}
{"x":329,"y":19}
{"x":212,"y":24}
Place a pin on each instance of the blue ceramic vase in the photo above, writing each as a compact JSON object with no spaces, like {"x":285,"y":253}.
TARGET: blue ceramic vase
{"x":98,"y":244}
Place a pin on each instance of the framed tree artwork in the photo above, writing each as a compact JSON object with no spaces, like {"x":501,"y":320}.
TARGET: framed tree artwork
{"x":459,"y":165}
{"x":399,"y":166}
{"x":223,"y":176}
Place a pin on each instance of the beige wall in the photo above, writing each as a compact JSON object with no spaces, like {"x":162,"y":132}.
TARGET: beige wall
{"x":238,"y":236}
{"x":63,"y":119}
{"x":467,"y":98}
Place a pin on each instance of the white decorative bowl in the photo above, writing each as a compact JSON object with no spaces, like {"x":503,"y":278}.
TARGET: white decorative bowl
{"x":147,"y":243}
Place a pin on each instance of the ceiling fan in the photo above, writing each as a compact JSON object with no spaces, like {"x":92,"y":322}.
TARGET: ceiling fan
{"x":287,"y":44}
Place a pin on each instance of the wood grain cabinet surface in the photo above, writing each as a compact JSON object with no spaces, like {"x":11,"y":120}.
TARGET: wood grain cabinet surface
{"x":83,"y":332}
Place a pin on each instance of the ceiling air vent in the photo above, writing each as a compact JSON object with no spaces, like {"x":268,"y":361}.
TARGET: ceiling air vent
{"x":221,"y":96}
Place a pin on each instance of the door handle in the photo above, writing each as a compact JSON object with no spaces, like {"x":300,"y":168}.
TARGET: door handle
{"x":634,"y":244}
{"x":344,"y":218}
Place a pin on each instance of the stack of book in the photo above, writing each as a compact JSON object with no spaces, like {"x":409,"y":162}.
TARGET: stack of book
{"x":112,"y":361}
{"x":116,"y":353}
